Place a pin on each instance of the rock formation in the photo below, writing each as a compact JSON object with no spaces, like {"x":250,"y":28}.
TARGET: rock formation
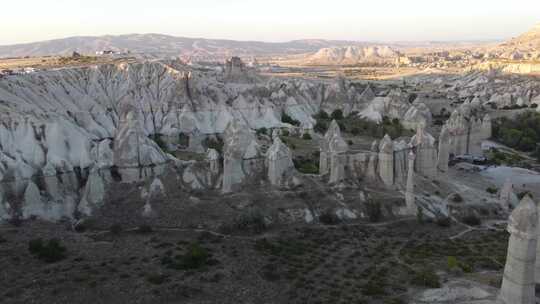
{"x":486,"y":127}
{"x":426,"y":153}
{"x":212,"y":156}
{"x":418,"y":115}
{"x":239,"y":145}
{"x":518,"y":285}
{"x":325,"y":156}
{"x":93,"y":195}
{"x":444,"y":150}
{"x":279,"y":161}
{"x":386,"y":160}
{"x":410,"y":204}
{"x":372,"y":170}
{"x":337,"y":147}
{"x":467,"y":132}
{"x":132,"y":148}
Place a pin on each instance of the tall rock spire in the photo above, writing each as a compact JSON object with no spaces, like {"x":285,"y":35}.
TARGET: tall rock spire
{"x":518,"y":285}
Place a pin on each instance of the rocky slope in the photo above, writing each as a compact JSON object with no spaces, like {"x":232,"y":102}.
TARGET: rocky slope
{"x":83,"y":122}
{"x":352,"y":55}
{"x":523,"y":47}
{"x":158,"y":44}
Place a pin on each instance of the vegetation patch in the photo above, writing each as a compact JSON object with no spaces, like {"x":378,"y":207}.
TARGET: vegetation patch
{"x":50,"y":251}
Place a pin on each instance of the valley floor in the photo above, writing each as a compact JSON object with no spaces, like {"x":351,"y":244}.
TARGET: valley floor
{"x":357,"y":262}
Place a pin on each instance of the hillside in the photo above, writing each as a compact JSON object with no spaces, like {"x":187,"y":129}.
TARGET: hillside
{"x":524,"y":47}
{"x":352,"y":55}
{"x":157,"y":44}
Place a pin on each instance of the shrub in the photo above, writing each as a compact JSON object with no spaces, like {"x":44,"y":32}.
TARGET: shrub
{"x":160,"y":142}
{"x":328,"y":217}
{"x":214,"y":143}
{"x":374,"y":211}
{"x":156,"y":279}
{"x":307,"y":168}
{"x":115,"y":229}
{"x":285,"y":132}
{"x":196,"y":257}
{"x":420,"y":215}
{"x":322,"y":115}
{"x":262,"y":131}
{"x":50,"y":252}
{"x":492,"y":190}
{"x":144,"y":229}
{"x":457,"y":198}
{"x":522,"y":194}
{"x":452,"y":262}
{"x":337,"y":114}
{"x":444,"y":221}
{"x":426,"y":278}
{"x":307,"y":165}
{"x":306,"y":136}
{"x":288,"y":119}
{"x":252,"y":220}
{"x":471,"y":220}
{"x":320,"y":127}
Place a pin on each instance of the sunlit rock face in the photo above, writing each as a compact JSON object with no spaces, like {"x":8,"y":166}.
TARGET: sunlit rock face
{"x":418,"y":115}
{"x":444,"y":150}
{"x":386,"y":160}
{"x":518,"y":284}
{"x":279,"y":162}
{"x":467,"y":132}
{"x":241,"y":155}
{"x":410,"y":204}
{"x":325,"y":146}
{"x":132,"y":148}
{"x":426,"y":153}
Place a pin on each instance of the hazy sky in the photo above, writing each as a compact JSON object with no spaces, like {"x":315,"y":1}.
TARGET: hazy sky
{"x":269,"y":20}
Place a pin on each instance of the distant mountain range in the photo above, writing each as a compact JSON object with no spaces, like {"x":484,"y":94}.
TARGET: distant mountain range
{"x":159,"y":45}
{"x":199,"y":48}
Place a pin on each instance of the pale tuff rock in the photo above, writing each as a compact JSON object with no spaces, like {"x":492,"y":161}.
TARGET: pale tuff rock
{"x":238,"y":144}
{"x":212,"y":156}
{"x":237,"y":71}
{"x":132,"y":148}
{"x":333,"y":158}
{"x":467,"y":132}
{"x":324,"y":161}
{"x":458,"y":127}
{"x":373,"y":161}
{"x":394,"y":105}
{"x":518,"y":286}
{"x":410,"y":205}
{"x":93,"y":195}
{"x":401,"y":151}
{"x":418,"y":115}
{"x":486,"y":127}
{"x":103,"y":154}
{"x":195,"y":141}
{"x":386,"y":160}
{"x":279,"y":161}
{"x":4,"y":207}
{"x":36,"y":205}
{"x":507,"y":197}
{"x":155,"y":190}
{"x":426,"y":153}
{"x":444,"y":150}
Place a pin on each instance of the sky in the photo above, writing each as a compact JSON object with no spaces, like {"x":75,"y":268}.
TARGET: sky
{"x":270,"y":20}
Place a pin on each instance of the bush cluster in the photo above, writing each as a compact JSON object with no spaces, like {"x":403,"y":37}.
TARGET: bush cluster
{"x":50,"y":251}
{"x":522,"y":132}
